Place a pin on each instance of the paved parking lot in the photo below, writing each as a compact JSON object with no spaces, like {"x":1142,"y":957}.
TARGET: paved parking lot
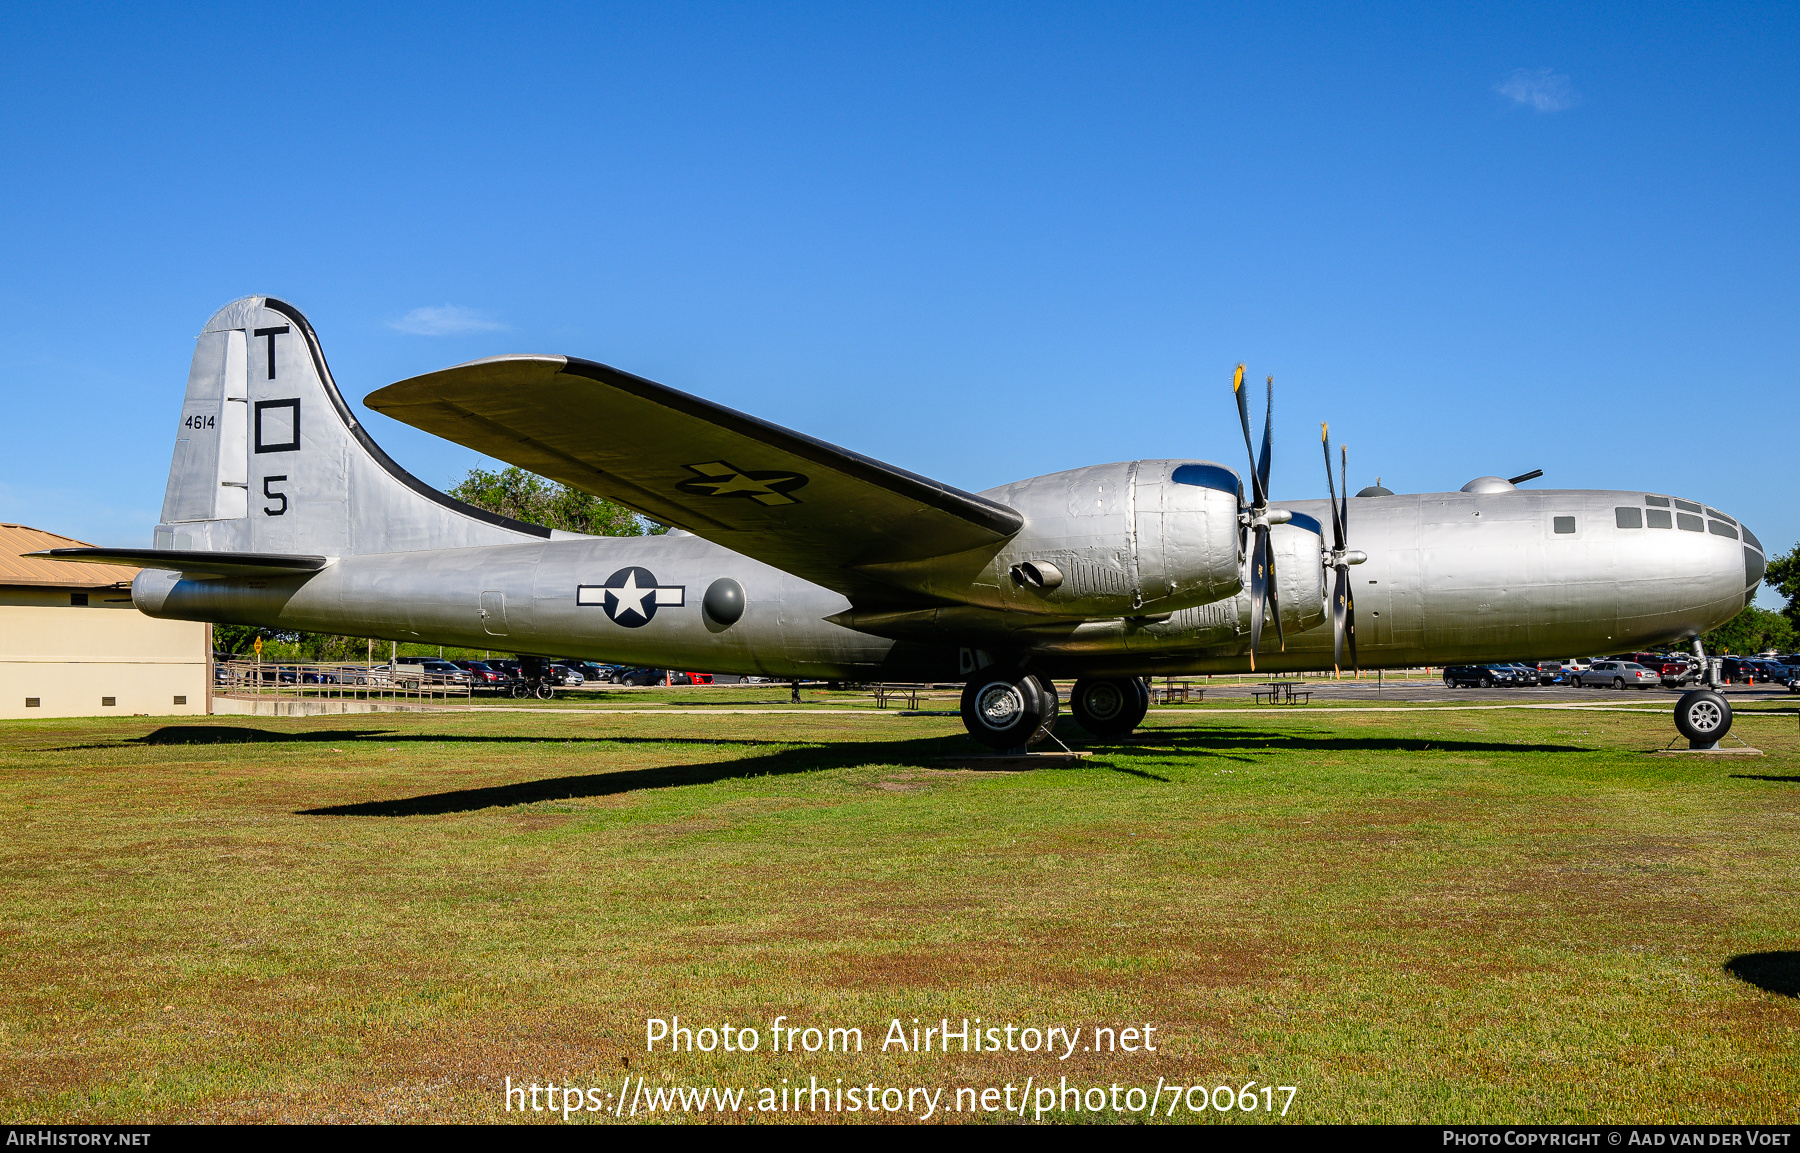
{"x":1418,"y":690}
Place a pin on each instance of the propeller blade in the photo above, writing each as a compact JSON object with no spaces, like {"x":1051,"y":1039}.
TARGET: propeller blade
{"x":1532,"y":475}
{"x":1350,"y":622}
{"x":1274,"y":590}
{"x":1337,"y":523}
{"x":1259,"y":588}
{"x":1344,"y":475}
{"x":1262,"y":464}
{"x":1340,"y":596}
{"x":1258,"y":497}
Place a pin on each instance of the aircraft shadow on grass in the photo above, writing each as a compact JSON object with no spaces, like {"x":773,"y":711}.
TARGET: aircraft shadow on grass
{"x":1761,"y":777}
{"x":240,"y":735}
{"x":784,"y":762}
{"x":1777,"y":972}
{"x":1203,"y":739}
{"x":822,"y":757}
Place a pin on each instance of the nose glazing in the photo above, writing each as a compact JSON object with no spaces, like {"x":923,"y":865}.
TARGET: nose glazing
{"x":1755,"y":563}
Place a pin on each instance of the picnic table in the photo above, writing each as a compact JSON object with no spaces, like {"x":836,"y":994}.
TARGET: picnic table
{"x":1170,"y":691}
{"x":1283,"y":693}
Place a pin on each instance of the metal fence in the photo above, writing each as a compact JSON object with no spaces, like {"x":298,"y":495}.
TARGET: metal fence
{"x":330,"y":681}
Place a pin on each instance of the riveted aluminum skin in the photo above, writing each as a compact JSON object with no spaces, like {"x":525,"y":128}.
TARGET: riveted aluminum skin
{"x":270,"y":461}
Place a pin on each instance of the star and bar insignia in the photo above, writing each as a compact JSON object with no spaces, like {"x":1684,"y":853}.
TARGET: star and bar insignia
{"x":722,"y":478}
{"x":631,"y":596}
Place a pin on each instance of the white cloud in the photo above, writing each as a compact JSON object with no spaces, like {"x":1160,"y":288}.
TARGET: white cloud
{"x":450,"y":320}
{"x":1540,"y":88}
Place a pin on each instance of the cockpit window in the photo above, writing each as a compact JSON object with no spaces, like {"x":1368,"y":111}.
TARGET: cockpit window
{"x":1206,"y":476}
{"x":1687,"y":506}
{"x":1658,"y":518}
{"x":1719,"y":529}
{"x":1658,"y":501}
{"x":1754,"y":567}
{"x":1717,"y":515}
{"x":1629,"y":517}
{"x":1750,"y":538}
{"x":1687,"y":523}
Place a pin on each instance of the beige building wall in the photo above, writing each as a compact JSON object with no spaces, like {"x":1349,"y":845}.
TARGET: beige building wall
{"x":70,"y":658}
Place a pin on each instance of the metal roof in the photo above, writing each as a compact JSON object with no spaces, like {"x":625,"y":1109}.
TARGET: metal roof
{"x":18,"y":569}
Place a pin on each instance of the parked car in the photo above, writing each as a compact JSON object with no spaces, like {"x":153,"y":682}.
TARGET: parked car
{"x":1774,"y":671}
{"x":563,"y":676}
{"x":591,"y":672}
{"x":644,"y":677}
{"x":1483,"y":676}
{"x":1740,"y":671}
{"x":1617,"y":675}
{"x":427,"y":672}
{"x":1672,"y":669}
{"x":1532,"y":675}
{"x":483,"y":674}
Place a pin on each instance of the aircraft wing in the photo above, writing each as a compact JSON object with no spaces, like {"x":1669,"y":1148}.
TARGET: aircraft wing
{"x":799,"y":504}
{"x":193,"y":565}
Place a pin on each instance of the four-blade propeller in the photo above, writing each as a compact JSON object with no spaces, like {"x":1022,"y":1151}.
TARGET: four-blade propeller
{"x":1341,"y":557}
{"x":1257,"y":519}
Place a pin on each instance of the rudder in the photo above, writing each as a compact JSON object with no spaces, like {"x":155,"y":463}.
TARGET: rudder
{"x":270,"y":459}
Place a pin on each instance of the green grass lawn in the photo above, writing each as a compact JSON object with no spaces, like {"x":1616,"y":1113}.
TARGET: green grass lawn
{"x":1427,"y":915}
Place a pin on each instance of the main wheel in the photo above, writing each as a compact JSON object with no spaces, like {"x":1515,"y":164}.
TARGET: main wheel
{"x":1052,"y":710}
{"x":1003,"y":708}
{"x":1111,"y":707}
{"x":1702,"y":716}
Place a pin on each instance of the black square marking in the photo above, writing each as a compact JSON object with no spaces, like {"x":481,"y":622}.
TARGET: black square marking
{"x":280,"y":424}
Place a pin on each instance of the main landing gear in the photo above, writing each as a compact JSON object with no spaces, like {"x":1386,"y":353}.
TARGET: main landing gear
{"x":1012,"y":710}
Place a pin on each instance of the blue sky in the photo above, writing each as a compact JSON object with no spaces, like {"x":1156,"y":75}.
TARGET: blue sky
{"x":981,"y":242}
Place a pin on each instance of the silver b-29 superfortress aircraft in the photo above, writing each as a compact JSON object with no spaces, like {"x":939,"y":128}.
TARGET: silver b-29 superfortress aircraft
{"x":796,"y":559}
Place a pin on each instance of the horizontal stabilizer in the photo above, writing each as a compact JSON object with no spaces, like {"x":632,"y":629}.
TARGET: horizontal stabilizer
{"x":193,"y":565}
{"x":806,"y":507}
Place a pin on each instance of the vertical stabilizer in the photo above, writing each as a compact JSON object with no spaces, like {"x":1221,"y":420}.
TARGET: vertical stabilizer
{"x":270,"y":459}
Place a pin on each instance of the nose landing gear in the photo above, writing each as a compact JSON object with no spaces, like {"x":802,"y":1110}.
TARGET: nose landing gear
{"x":1703,"y":715}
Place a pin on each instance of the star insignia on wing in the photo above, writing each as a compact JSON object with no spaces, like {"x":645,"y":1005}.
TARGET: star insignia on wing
{"x":722,"y":478}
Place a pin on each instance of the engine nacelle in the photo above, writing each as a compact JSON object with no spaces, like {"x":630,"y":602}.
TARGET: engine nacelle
{"x":1130,"y":539}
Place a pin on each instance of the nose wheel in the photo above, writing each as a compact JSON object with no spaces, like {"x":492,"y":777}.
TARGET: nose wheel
{"x":1703,"y":717}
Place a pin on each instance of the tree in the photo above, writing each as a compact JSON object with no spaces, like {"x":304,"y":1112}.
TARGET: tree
{"x":1784,"y":577}
{"x":1749,"y":633}
{"x":528,"y":497}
